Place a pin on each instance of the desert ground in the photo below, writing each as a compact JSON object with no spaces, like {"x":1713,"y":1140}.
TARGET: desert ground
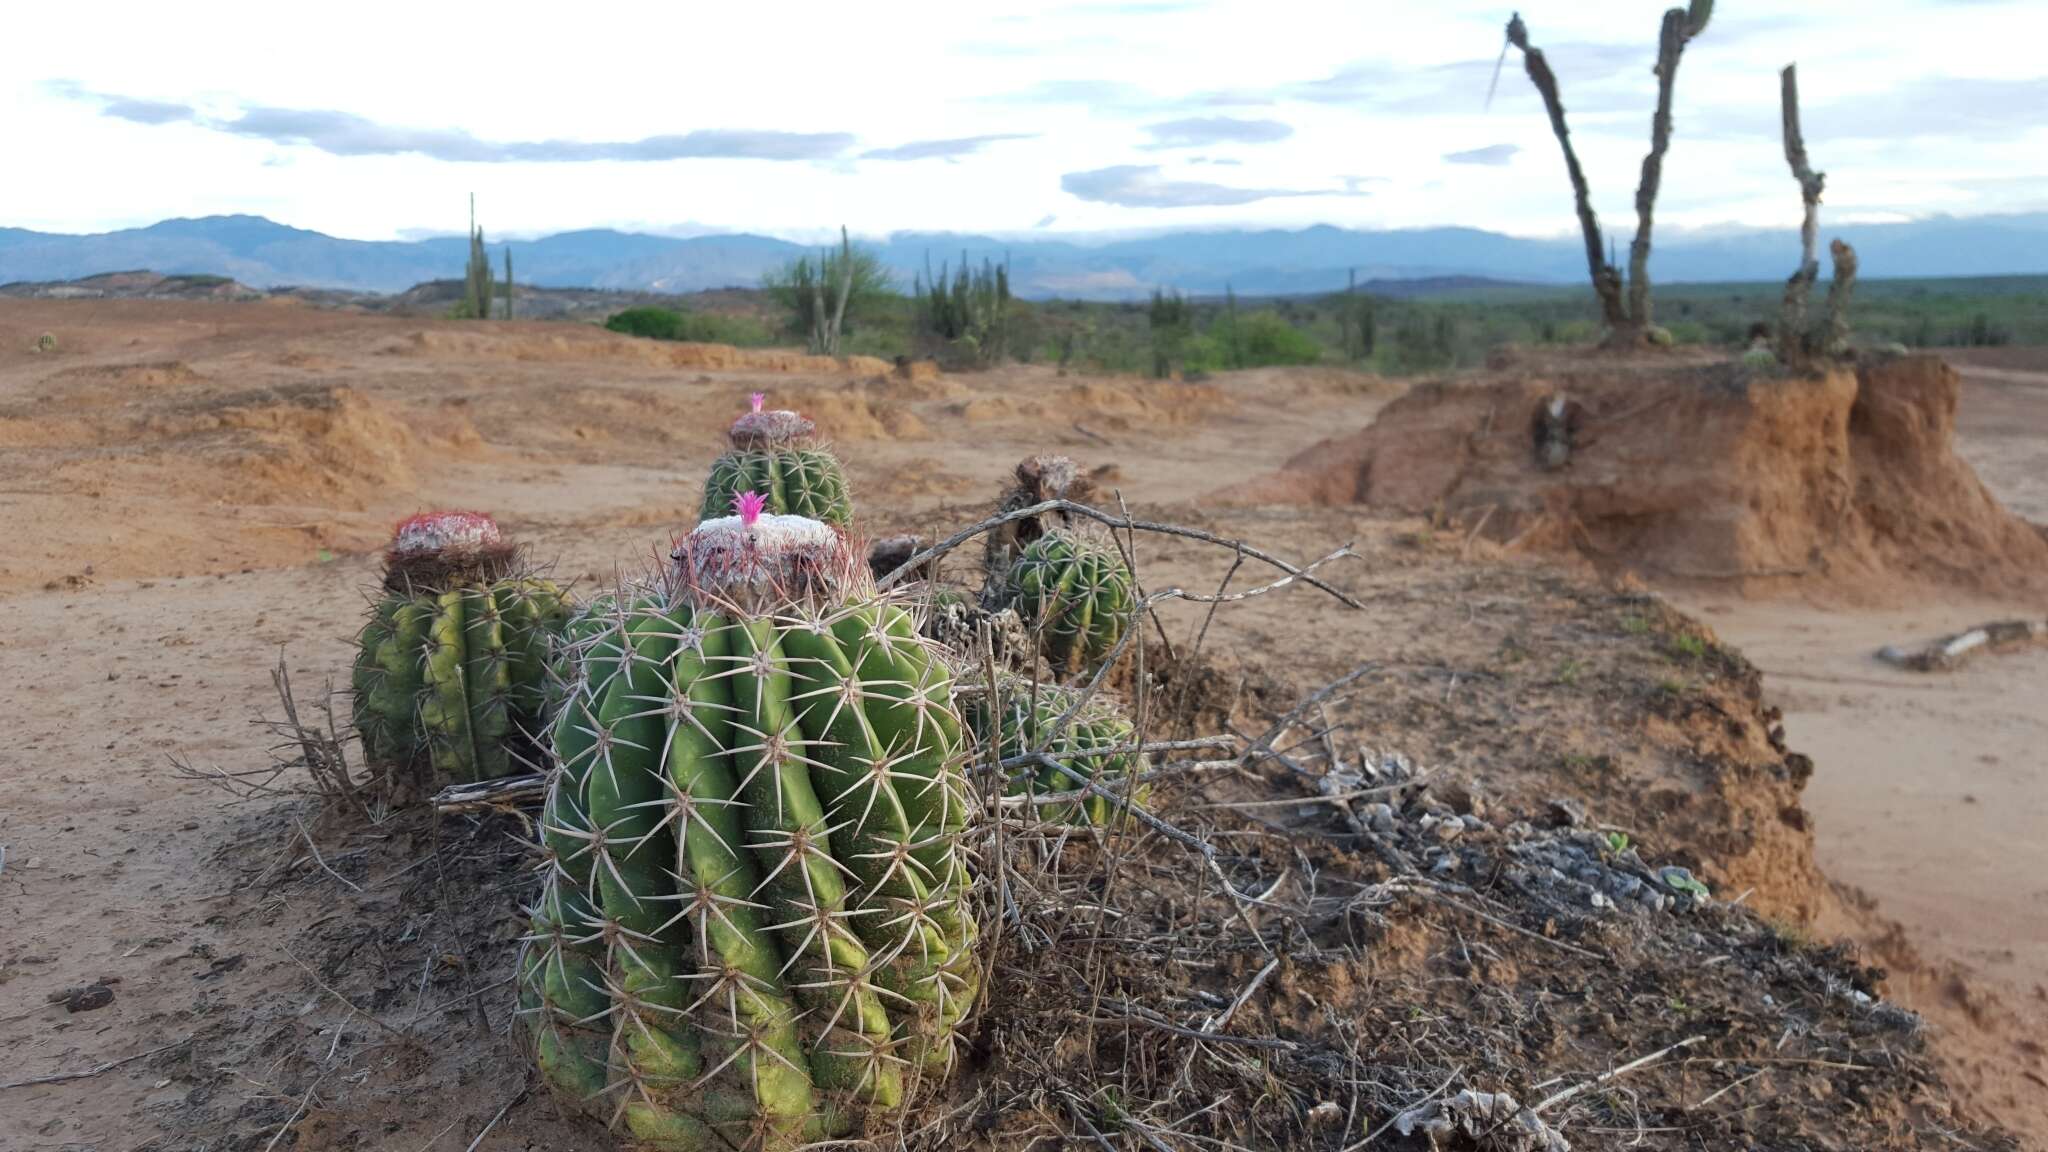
{"x":192,"y":492}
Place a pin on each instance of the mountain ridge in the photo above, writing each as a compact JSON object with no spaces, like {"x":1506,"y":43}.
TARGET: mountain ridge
{"x":263,"y":253}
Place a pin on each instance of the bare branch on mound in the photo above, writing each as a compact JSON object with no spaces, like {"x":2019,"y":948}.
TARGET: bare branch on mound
{"x":965,"y":534}
{"x":1631,"y":1066}
{"x":1264,"y":744}
{"x":505,"y":792}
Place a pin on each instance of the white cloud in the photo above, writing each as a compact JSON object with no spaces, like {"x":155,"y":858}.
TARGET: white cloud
{"x":662,"y":113}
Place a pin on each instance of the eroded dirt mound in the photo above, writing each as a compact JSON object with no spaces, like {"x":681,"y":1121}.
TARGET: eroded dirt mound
{"x":1698,"y":472}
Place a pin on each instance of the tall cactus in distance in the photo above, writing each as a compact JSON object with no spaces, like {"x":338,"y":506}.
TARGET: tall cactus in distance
{"x":478,"y":289}
{"x":1629,"y":321}
{"x":1797,"y":342}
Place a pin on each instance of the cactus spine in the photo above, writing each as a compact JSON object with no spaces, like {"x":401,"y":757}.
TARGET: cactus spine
{"x":776,"y":453}
{"x":752,"y":930}
{"x":450,"y":667}
{"x":1073,"y":590}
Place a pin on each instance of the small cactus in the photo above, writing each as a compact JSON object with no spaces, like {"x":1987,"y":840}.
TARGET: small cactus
{"x":1097,"y":743}
{"x":450,"y":668}
{"x":752,"y":931}
{"x":776,"y":454}
{"x":46,"y":343}
{"x":1659,"y":336}
{"x":1759,"y":357}
{"x":1036,"y":480}
{"x":1074,"y":592}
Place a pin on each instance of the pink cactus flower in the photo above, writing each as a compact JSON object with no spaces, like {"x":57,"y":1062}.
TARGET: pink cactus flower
{"x":748,"y":506}
{"x":759,"y":398}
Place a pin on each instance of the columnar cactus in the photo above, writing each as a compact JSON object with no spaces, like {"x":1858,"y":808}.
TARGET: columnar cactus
{"x":451,"y":665}
{"x":1073,"y":590}
{"x":753,"y":927}
{"x":1098,"y":743}
{"x":777,"y":454}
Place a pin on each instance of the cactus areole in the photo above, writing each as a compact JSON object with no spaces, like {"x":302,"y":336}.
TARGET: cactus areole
{"x":752,"y":930}
{"x":776,"y":454}
{"x":450,"y":667}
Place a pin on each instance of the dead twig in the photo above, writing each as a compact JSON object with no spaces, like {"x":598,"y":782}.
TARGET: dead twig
{"x":965,"y":534}
{"x":1631,"y":1066}
{"x":61,"y":1077}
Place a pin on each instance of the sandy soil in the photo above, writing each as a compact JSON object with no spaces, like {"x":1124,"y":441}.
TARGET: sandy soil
{"x":189,"y":489}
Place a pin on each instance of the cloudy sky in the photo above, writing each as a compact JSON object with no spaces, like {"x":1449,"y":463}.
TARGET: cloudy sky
{"x":376,"y":120}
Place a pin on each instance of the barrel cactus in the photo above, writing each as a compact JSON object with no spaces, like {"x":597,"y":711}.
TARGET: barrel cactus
{"x":1097,"y":743}
{"x":777,"y":454}
{"x":1074,"y":592}
{"x":451,"y":666}
{"x":753,"y":929}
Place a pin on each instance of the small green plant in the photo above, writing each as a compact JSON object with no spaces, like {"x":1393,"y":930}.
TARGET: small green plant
{"x":1569,"y":671}
{"x":1635,"y":625}
{"x":1689,"y":646}
{"x":1671,"y":686}
{"x":1617,"y":842}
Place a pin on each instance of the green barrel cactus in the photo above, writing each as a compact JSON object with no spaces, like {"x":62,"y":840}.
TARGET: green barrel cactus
{"x":1073,"y":591}
{"x":451,"y":666}
{"x":777,"y":454}
{"x":1098,"y":743}
{"x":753,"y":928}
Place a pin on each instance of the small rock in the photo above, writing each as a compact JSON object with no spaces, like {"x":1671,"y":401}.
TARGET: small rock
{"x":84,"y":998}
{"x":1326,"y":1112}
{"x":1566,"y":812}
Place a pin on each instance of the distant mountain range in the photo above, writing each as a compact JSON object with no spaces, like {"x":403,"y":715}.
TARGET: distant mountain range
{"x":265,"y":254}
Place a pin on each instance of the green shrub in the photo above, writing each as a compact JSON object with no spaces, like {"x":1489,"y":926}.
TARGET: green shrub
{"x":700,"y":327}
{"x":1266,"y":338}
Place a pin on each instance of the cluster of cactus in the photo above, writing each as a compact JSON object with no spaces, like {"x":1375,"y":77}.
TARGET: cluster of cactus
{"x":777,"y":454}
{"x":753,"y":930}
{"x":1062,"y":574}
{"x":451,"y":667}
{"x":1055,"y":740}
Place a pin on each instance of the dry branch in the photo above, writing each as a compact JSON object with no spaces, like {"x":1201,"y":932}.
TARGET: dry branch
{"x":1951,"y":652}
{"x":1792,"y":314}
